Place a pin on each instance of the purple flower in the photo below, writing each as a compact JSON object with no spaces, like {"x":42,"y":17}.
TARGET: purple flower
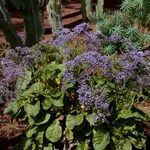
{"x":81,"y":28}
{"x":85,"y":95}
{"x":114,"y":38}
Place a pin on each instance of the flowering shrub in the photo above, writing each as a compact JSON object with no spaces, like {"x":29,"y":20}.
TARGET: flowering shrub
{"x":82,"y":94}
{"x":12,"y":65}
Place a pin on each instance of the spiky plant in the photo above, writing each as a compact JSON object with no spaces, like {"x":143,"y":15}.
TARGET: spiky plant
{"x":54,"y":15}
{"x":7,"y":27}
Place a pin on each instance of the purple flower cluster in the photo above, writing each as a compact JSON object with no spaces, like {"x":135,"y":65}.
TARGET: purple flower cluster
{"x":120,"y":69}
{"x":12,"y":66}
{"x":93,"y":62}
{"x":128,"y":64}
{"x":115,"y":38}
{"x":90,"y":59}
{"x":94,"y":98}
{"x":90,"y":41}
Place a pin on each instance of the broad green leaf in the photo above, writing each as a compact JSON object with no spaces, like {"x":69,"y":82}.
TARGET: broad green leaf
{"x":39,"y":137}
{"x":127,"y":145}
{"x":89,"y":118}
{"x":31,"y":121}
{"x":37,"y":87}
{"x":59,"y":102}
{"x":47,"y":103}
{"x":23,"y":82}
{"x":83,"y":146}
{"x":13,"y":108}
{"x":54,"y":131}
{"x":58,"y":94}
{"x":32,"y":109}
{"x":27,"y":144}
{"x":69,"y":134}
{"x":31,"y":131}
{"x":139,"y":116}
{"x":122,"y":144}
{"x":73,"y":120}
{"x":138,"y":142}
{"x":49,"y":147}
{"x":126,"y":113}
{"x":100,"y":139}
{"x":44,"y":119}
{"x":50,"y":70}
{"x":33,"y":146}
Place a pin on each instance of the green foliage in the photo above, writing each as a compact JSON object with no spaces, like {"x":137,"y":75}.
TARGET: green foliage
{"x":54,"y":131}
{"x":137,"y":10}
{"x":128,"y":21}
{"x":55,"y":117}
{"x":101,"y":139}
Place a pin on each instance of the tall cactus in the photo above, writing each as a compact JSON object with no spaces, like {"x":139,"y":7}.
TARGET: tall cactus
{"x":54,"y":15}
{"x":30,"y":11}
{"x":92,"y":16}
{"x":43,"y":4}
{"x":7,"y":27}
{"x":83,"y":9}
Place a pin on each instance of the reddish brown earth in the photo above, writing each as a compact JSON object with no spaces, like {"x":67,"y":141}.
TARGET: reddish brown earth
{"x":71,"y":15}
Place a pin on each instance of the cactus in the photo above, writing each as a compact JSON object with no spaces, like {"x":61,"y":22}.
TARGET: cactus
{"x":7,"y":27}
{"x":83,"y":9}
{"x":92,"y":16}
{"x":30,"y":11}
{"x":43,"y":4}
{"x":54,"y":15}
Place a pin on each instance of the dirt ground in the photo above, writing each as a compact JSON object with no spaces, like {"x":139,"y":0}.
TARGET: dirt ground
{"x":71,"y":15}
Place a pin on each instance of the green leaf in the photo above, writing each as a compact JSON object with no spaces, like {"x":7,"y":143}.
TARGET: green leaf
{"x":73,"y":120}
{"x":125,"y":114}
{"x":49,"y":147}
{"x":31,"y":121}
{"x":89,"y":118}
{"x":39,"y":137}
{"x":37,"y":87}
{"x":23,"y":82}
{"x":13,"y":108}
{"x":47,"y":103}
{"x":43,"y":119}
{"x":69,"y":134}
{"x":32,"y":109}
{"x":83,"y":146}
{"x":138,"y":142}
{"x":33,"y":146}
{"x":139,"y":116}
{"x":100,"y":139}
{"x":122,"y":144}
{"x":58,"y":102}
{"x":31,"y":131}
{"x":27,"y":144}
{"x":54,"y":131}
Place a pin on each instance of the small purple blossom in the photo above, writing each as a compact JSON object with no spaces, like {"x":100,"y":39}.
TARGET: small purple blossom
{"x":114,"y":38}
{"x":80,"y":29}
{"x":12,"y":67}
